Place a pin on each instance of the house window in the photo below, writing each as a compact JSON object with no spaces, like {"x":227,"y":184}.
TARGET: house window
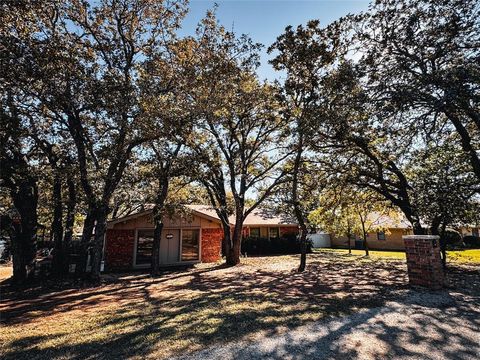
{"x":475,"y":232}
{"x":380,"y":235}
{"x":273,"y":232}
{"x":144,"y":247}
{"x":255,"y":232}
{"x":190,"y":245}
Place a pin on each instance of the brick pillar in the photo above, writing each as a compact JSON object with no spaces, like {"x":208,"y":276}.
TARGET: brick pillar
{"x":423,"y":260}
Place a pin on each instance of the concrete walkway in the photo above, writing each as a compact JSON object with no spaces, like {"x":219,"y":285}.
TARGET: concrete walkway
{"x":420,"y":325}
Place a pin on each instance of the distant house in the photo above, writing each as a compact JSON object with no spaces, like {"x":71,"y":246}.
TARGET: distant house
{"x":392,"y":237}
{"x":389,"y":239}
{"x":189,"y":237}
{"x":470,"y":230}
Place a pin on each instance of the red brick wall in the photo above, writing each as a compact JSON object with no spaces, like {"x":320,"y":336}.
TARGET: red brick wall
{"x":211,"y":244}
{"x":423,"y":261}
{"x":288,"y":230}
{"x":119,"y":249}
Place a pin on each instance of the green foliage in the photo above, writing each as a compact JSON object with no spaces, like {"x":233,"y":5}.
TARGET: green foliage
{"x":472,"y":241}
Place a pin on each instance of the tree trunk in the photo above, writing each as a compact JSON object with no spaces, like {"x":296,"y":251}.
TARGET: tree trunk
{"x":88,"y":226}
{"x":418,"y":229}
{"x":69,"y":222}
{"x":18,"y":255}
{"x":303,"y":248}
{"x":70,"y":216}
{"x":25,"y":200}
{"x":296,"y":203}
{"x":365,"y":235}
{"x":466,"y":141}
{"x":349,"y":237}
{"x":157,"y":236}
{"x":232,"y":248}
{"x":443,"y":245}
{"x":365,"y":244}
{"x":57,"y":227}
{"x":97,"y":247}
{"x":234,"y":245}
{"x":158,"y":221}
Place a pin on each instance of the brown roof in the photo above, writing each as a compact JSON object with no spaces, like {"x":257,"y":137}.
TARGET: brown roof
{"x":257,"y":217}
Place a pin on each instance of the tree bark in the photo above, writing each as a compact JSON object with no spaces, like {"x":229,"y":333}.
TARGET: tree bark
{"x":88,"y":226}
{"x":349,"y":237}
{"x":157,"y":218}
{"x":157,"y":236}
{"x":365,"y":242}
{"x":97,"y":246}
{"x":303,"y":248}
{"x":69,"y":222}
{"x":418,"y":229}
{"x":466,"y":141}
{"x":70,"y":215}
{"x":57,"y":227}
{"x":234,"y":245}
{"x":296,"y":202}
{"x":443,"y":245}
{"x":25,"y":200}
{"x":435,"y":230}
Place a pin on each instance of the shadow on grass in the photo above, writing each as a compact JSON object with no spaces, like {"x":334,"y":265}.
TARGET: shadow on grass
{"x":186,"y":310}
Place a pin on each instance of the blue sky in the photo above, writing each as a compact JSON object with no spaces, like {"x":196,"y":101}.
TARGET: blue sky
{"x":264,"y":20}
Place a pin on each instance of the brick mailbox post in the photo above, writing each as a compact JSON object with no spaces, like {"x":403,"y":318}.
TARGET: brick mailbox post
{"x":423,"y":260}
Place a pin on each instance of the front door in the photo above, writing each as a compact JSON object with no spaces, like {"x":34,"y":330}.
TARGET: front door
{"x":170,"y":246}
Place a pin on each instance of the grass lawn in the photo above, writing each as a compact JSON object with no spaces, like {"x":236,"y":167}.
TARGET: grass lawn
{"x":136,"y":316}
{"x":469,"y":256}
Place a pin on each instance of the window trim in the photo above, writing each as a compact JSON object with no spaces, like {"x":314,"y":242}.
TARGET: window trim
{"x":278,"y":232}
{"x":179,"y":260}
{"x":259,"y":232}
{"x":135,"y":245}
{"x":199,"y":246}
{"x":381,"y":233}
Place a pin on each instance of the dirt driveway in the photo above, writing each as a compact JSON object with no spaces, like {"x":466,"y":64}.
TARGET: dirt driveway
{"x":421,"y":325}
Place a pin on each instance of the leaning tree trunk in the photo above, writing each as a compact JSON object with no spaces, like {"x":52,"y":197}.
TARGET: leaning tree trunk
{"x":57,"y":227}
{"x":466,"y":141}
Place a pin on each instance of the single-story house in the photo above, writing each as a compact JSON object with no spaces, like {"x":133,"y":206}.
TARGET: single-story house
{"x":389,"y":238}
{"x":470,"y":230}
{"x":391,"y":235}
{"x":191,"y":236}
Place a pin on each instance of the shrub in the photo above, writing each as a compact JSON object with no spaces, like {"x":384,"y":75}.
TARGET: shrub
{"x":472,"y":241}
{"x":286,"y":244}
{"x":452,"y":238}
